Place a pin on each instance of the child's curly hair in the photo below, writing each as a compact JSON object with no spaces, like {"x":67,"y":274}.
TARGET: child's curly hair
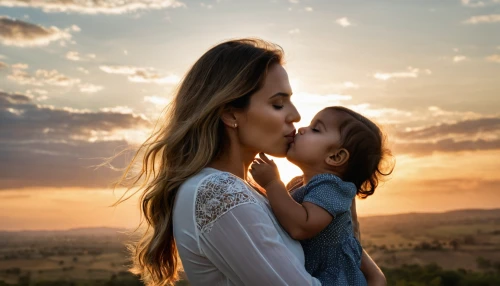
{"x":369,"y":159}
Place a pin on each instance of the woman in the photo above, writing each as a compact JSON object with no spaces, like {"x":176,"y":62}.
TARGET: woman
{"x":233,"y":103}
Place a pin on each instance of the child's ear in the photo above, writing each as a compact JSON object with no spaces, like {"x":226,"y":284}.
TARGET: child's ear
{"x":338,"y":157}
{"x":229,"y":117}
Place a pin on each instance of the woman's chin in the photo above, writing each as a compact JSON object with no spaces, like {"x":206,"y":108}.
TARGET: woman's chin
{"x":279,"y":153}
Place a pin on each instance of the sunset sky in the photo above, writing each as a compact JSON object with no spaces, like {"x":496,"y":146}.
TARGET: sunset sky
{"x":80,"y":80}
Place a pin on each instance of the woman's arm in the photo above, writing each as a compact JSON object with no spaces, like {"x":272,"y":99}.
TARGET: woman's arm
{"x":354,"y":219}
{"x":295,"y":183}
{"x":374,"y":276}
{"x":244,"y":244}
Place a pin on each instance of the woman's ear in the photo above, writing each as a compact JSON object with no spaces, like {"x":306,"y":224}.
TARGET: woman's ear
{"x":338,"y":157}
{"x":229,"y":117}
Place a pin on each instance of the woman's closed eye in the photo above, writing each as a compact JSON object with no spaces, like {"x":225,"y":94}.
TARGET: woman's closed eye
{"x":279,"y":103}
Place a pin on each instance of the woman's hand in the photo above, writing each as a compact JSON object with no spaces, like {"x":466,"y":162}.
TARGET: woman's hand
{"x":374,"y":276}
{"x":354,"y":218}
{"x":264,"y":171}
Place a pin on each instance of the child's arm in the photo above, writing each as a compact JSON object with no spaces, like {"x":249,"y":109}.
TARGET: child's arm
{"x":300,"y":221}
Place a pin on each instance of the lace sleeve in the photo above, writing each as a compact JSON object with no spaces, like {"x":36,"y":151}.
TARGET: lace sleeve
{"x":217,"y":194}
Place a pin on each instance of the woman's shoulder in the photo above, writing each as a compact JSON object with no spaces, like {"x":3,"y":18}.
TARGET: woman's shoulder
{"x":218,"y":193}
{"x":219,"y":182}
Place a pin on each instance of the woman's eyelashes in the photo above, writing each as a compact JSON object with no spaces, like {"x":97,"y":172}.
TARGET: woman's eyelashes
{"x":279,"y":105}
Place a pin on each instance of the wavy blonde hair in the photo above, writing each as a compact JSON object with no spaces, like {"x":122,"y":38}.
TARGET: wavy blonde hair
{"x":191,"y":136}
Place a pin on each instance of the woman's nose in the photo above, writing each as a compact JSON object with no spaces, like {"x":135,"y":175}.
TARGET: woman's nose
{"x":293,"y":116}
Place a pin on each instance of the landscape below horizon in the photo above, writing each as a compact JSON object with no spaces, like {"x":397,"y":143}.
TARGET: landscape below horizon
{"x":463,"y":243}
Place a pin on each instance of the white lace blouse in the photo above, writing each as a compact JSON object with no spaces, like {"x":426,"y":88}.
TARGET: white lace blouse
{"x":226,"y":234}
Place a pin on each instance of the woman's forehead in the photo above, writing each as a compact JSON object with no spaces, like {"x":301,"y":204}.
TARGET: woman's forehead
{"x":276,"y":81}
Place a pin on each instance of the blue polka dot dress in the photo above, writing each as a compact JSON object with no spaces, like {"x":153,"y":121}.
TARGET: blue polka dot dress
{"x":334,"y":255}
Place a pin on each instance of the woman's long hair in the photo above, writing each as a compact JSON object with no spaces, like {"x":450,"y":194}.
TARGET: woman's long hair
{"x":191,"y":136}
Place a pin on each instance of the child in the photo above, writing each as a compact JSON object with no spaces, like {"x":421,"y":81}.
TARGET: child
{"x":340,"y":154}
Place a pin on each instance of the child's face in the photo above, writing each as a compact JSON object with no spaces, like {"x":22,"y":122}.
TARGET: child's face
{"x":314,"y":143}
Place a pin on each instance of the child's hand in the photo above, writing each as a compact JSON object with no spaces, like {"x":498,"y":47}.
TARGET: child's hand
{"x":264,"y":171}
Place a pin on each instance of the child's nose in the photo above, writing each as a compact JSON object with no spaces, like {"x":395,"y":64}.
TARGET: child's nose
{"x":302,"y":130}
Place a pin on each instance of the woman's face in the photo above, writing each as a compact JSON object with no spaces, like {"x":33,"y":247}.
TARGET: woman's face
{"x":267,"y":124}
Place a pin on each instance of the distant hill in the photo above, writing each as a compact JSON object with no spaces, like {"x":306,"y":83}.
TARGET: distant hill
{"x":369,"y":224}
{"x":418,"y":221}
{"x":90,"y":231}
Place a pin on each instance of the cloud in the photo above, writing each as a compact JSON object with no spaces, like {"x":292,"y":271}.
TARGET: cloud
{"x":494,"y":58}
{"x":337,"y":87}
{"x":83,"y":70}
{"x":293,"y":1}
{"x":472,"y":3}
{"x":323,"y":99}
{"x":478,"y":3}
{"x":382,"y":115}
{"x":471,"y":128}
{"x":37,"y":94}
{"x":466,"y":135}
{"x":23,"y":34}
{"x":141,"y":74}
{"x":348,"y":85}
{"x":457,"y":59}
{"x":90,"y":88}
{"x":445,"y":145}
{"x":156,"y":100}
{"x":344,"y":22}
{"x":94,"y":7}
{"x":47,"y":146}
{"x":75,"y":56}
{"x":3,"y":65}
{"x":309,"y":9}
{"x":294,"y":31}
{"x":411,"y":73}
{"x":451,"y":116}
{"x":207,"y":6}
{"x":118,"y":109}
{"x":41,"y":78}
{"x":20,"y":66}
{"x":493,"y":18}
